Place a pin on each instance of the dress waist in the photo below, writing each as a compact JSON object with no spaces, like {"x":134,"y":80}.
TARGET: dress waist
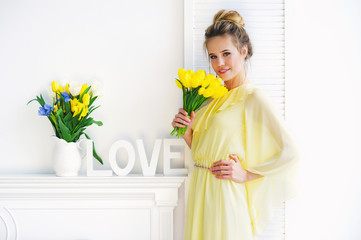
{"x":200,"y":166}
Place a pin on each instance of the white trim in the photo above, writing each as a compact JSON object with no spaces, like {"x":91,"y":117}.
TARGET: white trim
{"x":188,"y":34}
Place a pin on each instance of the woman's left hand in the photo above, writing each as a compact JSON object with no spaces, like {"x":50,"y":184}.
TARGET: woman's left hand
{"x":226,"y":169}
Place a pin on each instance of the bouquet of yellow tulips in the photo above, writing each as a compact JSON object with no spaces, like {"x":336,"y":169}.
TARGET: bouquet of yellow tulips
{"x":69,"y":113}
{"x":197,"y":88}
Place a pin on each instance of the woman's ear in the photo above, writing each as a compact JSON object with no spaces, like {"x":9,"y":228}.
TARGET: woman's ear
{"x":244,"y":50}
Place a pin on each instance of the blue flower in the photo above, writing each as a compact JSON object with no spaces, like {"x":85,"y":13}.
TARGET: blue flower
{"x":45,"y":111}
{"x":66,"y":96}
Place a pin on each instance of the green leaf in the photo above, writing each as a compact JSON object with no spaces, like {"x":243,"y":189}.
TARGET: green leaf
{"x":99,"y":123}
{"x":92,"y":109}
{"x":65,"y":132}
{"x":68,"y":117}
{"x":77,"y":134}
{"x":96,"y":156}
{"x":40,"y":100}
{"x":92,"y":100}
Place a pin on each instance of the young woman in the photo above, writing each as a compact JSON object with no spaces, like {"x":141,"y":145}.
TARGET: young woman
{"x":245,"y":160}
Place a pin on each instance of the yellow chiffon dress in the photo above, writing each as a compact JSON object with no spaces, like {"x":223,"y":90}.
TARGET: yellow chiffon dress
{"x":246,"y":123}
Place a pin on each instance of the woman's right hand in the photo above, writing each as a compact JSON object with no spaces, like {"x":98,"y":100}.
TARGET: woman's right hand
{"x":181,"y":119}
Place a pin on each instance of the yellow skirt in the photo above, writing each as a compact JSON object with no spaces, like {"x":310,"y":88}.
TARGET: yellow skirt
{"x":216,"y":209}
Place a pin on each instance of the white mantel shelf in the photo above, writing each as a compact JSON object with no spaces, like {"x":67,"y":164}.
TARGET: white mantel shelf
{"x":134,"y":206}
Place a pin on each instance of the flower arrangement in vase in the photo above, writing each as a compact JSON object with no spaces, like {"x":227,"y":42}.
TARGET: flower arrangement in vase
{"x":69,"y":117}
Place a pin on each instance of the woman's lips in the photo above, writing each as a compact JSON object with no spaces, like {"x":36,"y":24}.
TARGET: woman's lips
{"x":223,"y":71}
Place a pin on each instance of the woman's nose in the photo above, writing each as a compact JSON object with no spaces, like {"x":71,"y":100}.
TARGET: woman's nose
{"x":220,"y":62}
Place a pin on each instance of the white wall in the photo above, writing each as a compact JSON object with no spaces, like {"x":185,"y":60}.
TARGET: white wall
{"x":135,"y":53}
{"x":134,"y":48}
{"x":323,"y":106}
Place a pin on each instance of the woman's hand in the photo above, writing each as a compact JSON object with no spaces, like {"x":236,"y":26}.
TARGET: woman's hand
{"x":226,"y":169}
{"x":181,"y":120}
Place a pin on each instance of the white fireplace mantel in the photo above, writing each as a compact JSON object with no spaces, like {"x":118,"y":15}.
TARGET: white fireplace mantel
{"x":48,"y":207}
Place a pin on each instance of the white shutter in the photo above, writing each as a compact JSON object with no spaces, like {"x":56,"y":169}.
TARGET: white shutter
{"x":265,"y":24}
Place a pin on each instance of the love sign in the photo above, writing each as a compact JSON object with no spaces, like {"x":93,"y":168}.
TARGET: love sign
{"x":148,"y":167}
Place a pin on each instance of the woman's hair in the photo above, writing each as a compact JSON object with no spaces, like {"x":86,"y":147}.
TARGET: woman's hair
{"x":229,"y":22}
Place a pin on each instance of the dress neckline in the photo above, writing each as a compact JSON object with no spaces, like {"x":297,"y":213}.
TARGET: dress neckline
{"x":241,"y":86}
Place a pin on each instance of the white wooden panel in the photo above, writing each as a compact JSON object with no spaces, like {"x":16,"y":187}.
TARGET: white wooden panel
{"x":265,"y":24}
{"x":42,"y":207}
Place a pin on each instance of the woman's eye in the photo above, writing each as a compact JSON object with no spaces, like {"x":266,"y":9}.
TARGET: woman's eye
{"x":213,"y":57}
{"x":226,"y":53}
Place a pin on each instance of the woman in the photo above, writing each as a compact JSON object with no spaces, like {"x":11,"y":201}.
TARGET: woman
{"x":244,"y":158}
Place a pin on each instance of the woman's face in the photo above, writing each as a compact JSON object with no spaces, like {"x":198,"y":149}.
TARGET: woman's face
{"x":225,"y":58}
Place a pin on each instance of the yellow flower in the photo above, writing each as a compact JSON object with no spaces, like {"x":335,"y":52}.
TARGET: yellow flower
{"x":219,"y":80}
{"x":73,"y":103}
{"x":67,"y":88}
{"x":181,"y":73}
{"x":55,"y":86}
{"x":83,"y":88}
{"x":187,"y":81}
{"x":209,"y":78}
{"x":86,"y":99}
{"x":190,"y":72}
{"x":178,"y":84}
{"x":201,"y":91}
{"x":209,"y":91}
{"x":184,"y":77}
{"x":77,"y":108}
{"x":84,"y":112}
{"x":198,"y":78}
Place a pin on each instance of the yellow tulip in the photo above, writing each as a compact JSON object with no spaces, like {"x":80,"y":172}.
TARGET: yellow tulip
{"x":86,"y":99}
{"x":83,"y":88}
{"x":61,"y":88}
{"x":219,"y":80}
{"x":178,"y":84}
{"x":184,"y":77}
{"x":198,"y":78}
{"x":84,"y":112}
{"x":190,"y":72}
{"x":209,"y":78}
{"x":55,"y":86}
{"x":67,"y":88}
{"x":201,"y":91}
{"x":77,"y":108}
{"x":73,"y":103}
{"x":181,"y":73}
{"x":209,"y":91}
{"x":187,"y":80}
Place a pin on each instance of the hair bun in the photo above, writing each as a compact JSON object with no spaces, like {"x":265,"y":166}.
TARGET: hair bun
{"x":228,"y":15}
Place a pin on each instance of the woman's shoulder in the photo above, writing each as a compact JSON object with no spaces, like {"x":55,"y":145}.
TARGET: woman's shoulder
{"x":257,"y":94}
{"x":260,"y":101}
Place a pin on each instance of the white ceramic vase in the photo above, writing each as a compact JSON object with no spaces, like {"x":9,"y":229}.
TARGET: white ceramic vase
{"x":66,"y":158}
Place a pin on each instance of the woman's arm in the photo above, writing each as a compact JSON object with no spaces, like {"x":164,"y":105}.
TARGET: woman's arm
{"x":188,"y":136}
{"x":252,"y":176}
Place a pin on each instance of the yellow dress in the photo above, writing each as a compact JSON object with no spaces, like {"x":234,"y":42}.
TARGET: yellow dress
{"x":246,"y":123}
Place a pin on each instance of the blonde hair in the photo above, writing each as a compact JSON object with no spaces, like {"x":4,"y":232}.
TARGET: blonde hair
{"x":229,"y":22}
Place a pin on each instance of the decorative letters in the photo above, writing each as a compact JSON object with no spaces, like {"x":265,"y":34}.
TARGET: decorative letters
{"x":148,"y":169}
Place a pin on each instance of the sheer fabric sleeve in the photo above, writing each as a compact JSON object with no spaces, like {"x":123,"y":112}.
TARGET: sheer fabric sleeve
{"x":269,"y":151}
